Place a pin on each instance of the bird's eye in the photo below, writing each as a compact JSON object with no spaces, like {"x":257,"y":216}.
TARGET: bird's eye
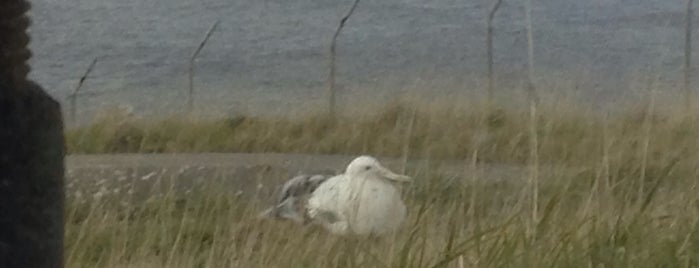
{"x":367,"y":168}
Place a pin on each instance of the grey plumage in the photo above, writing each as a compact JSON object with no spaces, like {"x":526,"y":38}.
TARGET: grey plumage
{"x":290,"y":203}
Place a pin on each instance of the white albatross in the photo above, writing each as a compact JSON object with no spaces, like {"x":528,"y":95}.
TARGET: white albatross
{"x":361,"y":201}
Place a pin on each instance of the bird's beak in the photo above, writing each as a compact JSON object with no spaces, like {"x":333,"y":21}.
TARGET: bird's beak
{"x":386,"y":173}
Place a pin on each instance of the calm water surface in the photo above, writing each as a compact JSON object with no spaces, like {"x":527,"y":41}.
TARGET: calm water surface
{"x":268,"y":55}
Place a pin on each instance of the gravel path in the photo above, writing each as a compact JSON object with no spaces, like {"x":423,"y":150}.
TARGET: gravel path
{"x":251,"y":175}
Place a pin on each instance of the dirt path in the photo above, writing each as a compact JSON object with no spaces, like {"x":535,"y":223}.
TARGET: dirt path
{"x":255,"y":174}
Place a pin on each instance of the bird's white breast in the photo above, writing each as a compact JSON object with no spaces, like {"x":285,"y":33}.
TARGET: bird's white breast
{"x":379,"y":207}
{"x":361,"y":205}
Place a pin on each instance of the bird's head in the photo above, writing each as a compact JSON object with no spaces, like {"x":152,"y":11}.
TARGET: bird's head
{"x":368,"y":166}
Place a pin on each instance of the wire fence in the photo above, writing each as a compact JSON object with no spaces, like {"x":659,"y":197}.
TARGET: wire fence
{"x":494,"y":47}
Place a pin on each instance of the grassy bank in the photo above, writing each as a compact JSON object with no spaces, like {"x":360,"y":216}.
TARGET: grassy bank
{"x":566,"y":134}
{"x":594,"y":218}
{"x":632,"y":202}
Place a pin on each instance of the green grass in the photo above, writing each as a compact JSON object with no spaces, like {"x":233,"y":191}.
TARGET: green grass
{"x":631,"y":201}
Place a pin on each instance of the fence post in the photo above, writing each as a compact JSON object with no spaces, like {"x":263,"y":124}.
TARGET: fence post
{"x":533,"y":100}
{"x":333,"y":45}
{"x":190,"y":97}
{"x":688,"y":56}
{"x":73,"y":97}
{"x":489,"y":44}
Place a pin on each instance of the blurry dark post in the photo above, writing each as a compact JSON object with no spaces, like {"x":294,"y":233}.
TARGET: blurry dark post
{"x":489,"y":43}
{"x":73,"y":97}
{"x":688,"y":56}
{"x":190,"y":96}
{"x":31,"y":154}
{"x":331,"y":75}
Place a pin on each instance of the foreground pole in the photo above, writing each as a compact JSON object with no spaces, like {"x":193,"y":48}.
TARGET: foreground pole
{"x":31,"y":154}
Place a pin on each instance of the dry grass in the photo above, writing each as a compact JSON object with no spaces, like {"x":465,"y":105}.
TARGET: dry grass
{"x":568,"y":134}
{"x":632,"y":202}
